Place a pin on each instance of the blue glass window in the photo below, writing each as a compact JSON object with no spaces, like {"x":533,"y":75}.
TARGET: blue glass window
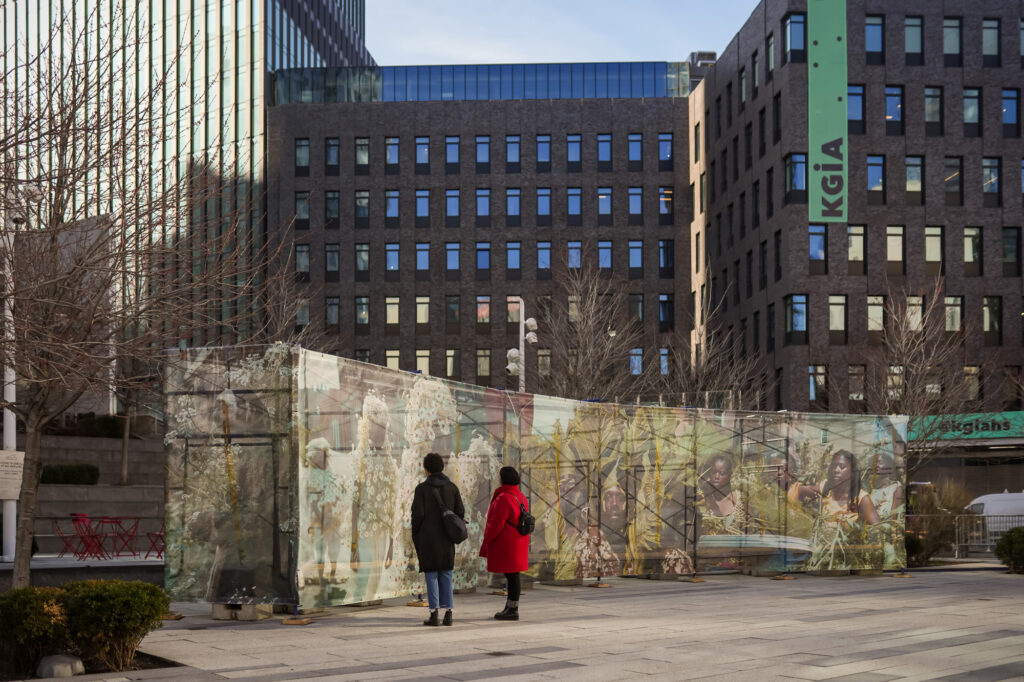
{"x":452,"y":255}
{"x":423,"y":255}
{"x":604,"y":255}
{"x":391,"y":256}
{"x":817,"y":246}
{"x":876,"y":173}
{"x":543,"y":255}
{"x":512,"y":251}
{"x":483,"y":202}
{"x":483,"y":149}
{"x":636,"y":254}
{"x":483,"y":255}
{"x":543,"y":201}
{"x":575,"y":254}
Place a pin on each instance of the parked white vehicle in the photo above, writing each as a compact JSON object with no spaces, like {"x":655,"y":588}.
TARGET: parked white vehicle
{"x":1001,"y":512}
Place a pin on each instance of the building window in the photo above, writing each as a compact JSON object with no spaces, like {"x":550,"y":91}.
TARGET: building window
{"x":666,"y":258}
{"x":972,"y":377}
{"x":451,"y":310}
{"x":543,"y":206}
{"x":604,"y":151}
{"x":895,"y":251}
{"x":837,"y":319}
{"x":874,"y":39}
{"x":422,"y":310}
{"x":876,"y":313}
{"x":422,"y":208}
{"x":301,"y":313}
{"x":818,"y":250}
{"x":511,"y":153}
{"x":636,"y":259}
{"x":696,"y":142}
{"x":992,"y":320}
{"x":574,"y":255}
{"x":1011,"y":113}
{"x":604,"y":205}
{"x":776,"y":117}
{"x":894,"y":110}
{"x":636,"y":361}
{"x":390,"y":155}
{"x":913,"y":41}
{"x":543,"y":153}
{"x":743,"y":87}
{"x":302,"y":262}
{"x":423,"y":361}
{"x":796,"y":319}
{"x":574,"y":207}
{"x":332,"y":156}
{"x":856,"y":250}
{"x":362,"y":310}
{"x":666,"y":313}
{"x":451,"y":154}
{"x":794,"y":36}
{"x":762,"y":266}
{"x":876,"y":179}
{"x":422,"y":155}
{"x":818,"y":390}
{"x":391,"y":260}
{"x":423,"y":256}
{"x":573,"y":152}
{"x":452,"y":363}
{"x":665,"y":151}
{"x":513,"y":256}
{"x":544,"y":362}
{"x":513,"y":207}
{"x":769,"y":329}
{"x":483,"y":154}
{"x":302,"y":156}
{"x":635,"y":307}
{"x":855,"y":109}
{"x":1011,"y":252}
{"x":483,"y":259}
{"x":451,"y":250}
{"x":604,"y":255}
{"x":934,"y":250}
{"x":391,"y":207}
{"x":362,"y":253}
{"x":544,"y":259}
{"x":855,"y":384}
{"x":954,"y":309}
{"x":513,"y":313}
{"x":914,"y":313}
{"x":483,"y":309}
{"x":915,"y":180}
{"x":636,"y":206}
{"x":952,"y":44}
{"x":332,"y":311}
{"x":972,"y":112}
{"x":483,"y":362}
{"x":362,"y":155}
{"x":666,"y":211}
{"x":483,"y":207}
{"x":952,"y":172}
{"x":973,"y":255}
{"x":933,"y":111}
{"x":362,"y":208}
{"x":769,"y":197}
{"x":703,"y":194}
{"x":332,"y":262}
{"x":1013,"y":388}
{"x":451,"y":207}
{"x":302,"y":210}
{"x":777,"y":243}
{"x":635,"y":151}
{"x":990,"y":55}
{"x":894,"y":382}
{"x":796,"y":179}
{"x":990,"y":181}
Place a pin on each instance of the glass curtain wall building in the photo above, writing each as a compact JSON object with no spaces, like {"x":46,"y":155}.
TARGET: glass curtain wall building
{"x":217,"y":53}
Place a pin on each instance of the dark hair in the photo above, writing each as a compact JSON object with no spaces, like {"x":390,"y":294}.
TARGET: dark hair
{"x":509,"y":476}
{"x":854,"y":482}
{"x":710,"y":463}
{"x":433,"y":463}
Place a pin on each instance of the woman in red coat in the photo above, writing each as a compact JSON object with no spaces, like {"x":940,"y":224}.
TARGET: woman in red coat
{"x":504,"y":548}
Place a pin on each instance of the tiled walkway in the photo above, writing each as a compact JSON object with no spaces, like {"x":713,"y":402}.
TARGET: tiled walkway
{"x":964,"y":624}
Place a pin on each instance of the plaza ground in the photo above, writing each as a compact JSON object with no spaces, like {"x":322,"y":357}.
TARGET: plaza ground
{"x":964,"y":624}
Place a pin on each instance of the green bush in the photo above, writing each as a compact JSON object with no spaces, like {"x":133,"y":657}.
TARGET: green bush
{"x":914,"y":547}
{"x":70,"y":474}
{"x":33,"y":624}
{"x":107,"y":619}
{"x":1010,"y":549}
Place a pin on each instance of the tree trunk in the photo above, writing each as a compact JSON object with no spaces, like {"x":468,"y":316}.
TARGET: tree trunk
{"x":125,"y":436}
{"x":27,"y":505}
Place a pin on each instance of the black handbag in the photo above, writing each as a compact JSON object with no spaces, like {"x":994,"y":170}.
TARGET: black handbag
{"x":454,"y":526}
{"x":526,"y":522}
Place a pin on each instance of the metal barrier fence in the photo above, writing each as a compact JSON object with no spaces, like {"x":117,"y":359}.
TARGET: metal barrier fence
{"x":975,"y":533}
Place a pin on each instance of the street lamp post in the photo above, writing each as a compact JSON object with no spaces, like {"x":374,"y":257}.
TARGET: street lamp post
{"x":10,"y":442}
{"x":517,"y":357}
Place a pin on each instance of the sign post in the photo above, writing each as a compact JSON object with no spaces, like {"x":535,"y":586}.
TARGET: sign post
{"x":827,"y":149}
{"x":11,"y":466}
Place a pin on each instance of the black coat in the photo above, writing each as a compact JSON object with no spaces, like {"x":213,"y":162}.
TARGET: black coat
{"x":433,"y":548}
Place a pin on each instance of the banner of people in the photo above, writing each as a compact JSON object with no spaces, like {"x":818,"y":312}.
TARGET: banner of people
{"x":291,"y":475}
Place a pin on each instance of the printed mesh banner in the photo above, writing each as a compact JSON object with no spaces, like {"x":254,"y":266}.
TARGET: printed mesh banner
{"x":291,"y":475}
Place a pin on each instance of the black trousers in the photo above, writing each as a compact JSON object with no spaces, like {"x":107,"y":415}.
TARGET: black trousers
{"x":514,"y":586}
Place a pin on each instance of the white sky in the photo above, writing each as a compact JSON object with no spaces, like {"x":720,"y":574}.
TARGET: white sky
{"x":404,"y":32}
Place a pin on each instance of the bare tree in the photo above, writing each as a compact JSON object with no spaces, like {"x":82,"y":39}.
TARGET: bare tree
{"x":710,"y":366}
{"x":592,"y":338}
{"x":113,"y":246}
{"x":918,"y":367}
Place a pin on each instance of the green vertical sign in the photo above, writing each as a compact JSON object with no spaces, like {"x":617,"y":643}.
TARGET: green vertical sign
{"x":826,"y":111}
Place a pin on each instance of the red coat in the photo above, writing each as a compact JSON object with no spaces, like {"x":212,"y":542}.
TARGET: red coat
{"x":504,"y":548}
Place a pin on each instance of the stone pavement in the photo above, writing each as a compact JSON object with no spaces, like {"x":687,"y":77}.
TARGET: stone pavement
{"x":960,"y":624}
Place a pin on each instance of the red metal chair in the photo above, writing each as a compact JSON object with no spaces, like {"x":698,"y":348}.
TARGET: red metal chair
{"x":90,"y":537}
{"x":156,"y":542}
{"x":72,"y":543}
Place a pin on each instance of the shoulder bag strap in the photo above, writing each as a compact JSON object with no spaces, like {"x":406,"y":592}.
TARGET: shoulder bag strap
{"x":514,"y":503}
{"x":440,"y":502}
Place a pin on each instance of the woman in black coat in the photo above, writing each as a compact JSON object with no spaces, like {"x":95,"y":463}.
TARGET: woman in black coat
{"x":436,"y":553}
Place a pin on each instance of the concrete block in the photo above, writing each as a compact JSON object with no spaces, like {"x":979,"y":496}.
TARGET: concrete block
{"x":60,"y":666}
{"x":242,"y":611}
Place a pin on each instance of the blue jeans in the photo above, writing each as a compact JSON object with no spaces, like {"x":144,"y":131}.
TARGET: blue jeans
{"x":442,"y":579}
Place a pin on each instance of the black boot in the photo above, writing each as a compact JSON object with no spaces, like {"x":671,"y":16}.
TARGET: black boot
{"x":432,"y":620}
{"x":510,"y":612}
{"x":447,"y":618}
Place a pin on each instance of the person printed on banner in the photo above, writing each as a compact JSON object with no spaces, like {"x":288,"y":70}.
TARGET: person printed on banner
{"x":840,"y":495}
{"x":435,"y":552}
{"x":504,"y":548}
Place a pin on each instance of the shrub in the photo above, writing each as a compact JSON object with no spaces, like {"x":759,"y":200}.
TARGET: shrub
{"x":70,"y":474}
{"x":1010,"y":549}
{"x":914,"y":548}
{"x":33,"y":624}
{"x":107,"y":619}
{"x":934,"y":519}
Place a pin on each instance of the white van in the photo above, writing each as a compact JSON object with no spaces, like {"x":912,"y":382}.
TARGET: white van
{"x":1002,"y":511}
